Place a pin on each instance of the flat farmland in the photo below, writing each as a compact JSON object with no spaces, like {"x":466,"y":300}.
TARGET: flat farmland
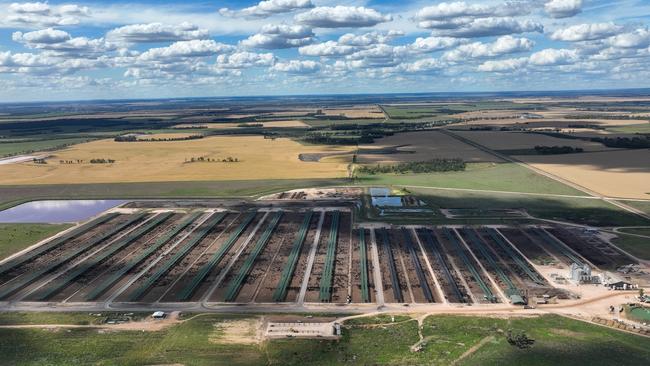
{"x":258,"y":158}
{"x":498,"y":140}
{"x":355,"y":112}
{"x":508,"y":177}
{"x":621,"y":173}
{"x":265,"y":124}
{"x":420,"y":146}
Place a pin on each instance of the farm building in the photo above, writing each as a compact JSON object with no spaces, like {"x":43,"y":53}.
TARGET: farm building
{"x":582,"y":274}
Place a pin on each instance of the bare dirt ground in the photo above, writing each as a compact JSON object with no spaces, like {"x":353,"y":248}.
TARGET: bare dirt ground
{"x":498,"y":140}
{"x":422,"y":146}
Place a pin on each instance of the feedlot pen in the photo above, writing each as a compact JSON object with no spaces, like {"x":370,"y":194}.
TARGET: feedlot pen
{"x":289,"y":254}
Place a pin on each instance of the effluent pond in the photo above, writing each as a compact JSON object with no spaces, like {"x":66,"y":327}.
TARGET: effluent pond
{"x":56,"y":211}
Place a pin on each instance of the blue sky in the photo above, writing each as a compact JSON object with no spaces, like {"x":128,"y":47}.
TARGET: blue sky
{"x":149,"y":49}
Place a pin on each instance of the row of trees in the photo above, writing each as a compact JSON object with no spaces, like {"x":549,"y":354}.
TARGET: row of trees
{"x":91,"y":161}
{"x":134,"y":138}
{"x":203,"y":159}
{"x":102,"y":161}
{"x":553,"y":150}
{"x":435,"y":165}
{"x":624,"y":142}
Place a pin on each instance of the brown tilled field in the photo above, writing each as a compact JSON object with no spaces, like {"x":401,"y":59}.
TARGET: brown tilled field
{"x":420,"y":146}
{"x":498,"y":140}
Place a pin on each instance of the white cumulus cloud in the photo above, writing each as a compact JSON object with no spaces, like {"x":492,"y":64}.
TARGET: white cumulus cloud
{"x":156,"y":32}
{"x":586,"y":32}
{"x":265,"y":9}
{"x":342,"y":17}
{"x":277,"y":36}
{"x":563,"y":8}
{"x":297,"y":67}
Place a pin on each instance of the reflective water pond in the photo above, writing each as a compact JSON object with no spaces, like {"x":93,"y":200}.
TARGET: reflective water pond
{"x":380,"y":198}
{"x":56,"y":211}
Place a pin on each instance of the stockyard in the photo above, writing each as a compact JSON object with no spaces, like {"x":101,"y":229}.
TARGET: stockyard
{"x":292,"y":254}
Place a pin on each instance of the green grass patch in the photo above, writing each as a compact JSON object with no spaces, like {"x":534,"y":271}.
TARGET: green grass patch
{"x":360,"y":345}
{"x":585,"y":211}
{"x":27,"y":147}
{"x":199,"y":341}
{"x":639,"y":205}
{"x":637,"y":231}
{"x":508,"y":177}
{"x":635,"y":245}
{"x":317,"y":122}
{"x":13,"y":195}
{"x":561,"y":341}
{"x":70,"y":318}
{"x":379,"y":319}
{"x":638,"y":128}
{"x":16,"y":237}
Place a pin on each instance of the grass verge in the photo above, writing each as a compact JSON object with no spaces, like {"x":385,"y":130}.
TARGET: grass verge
{"x":202,"y":341}
{"x":16,"y":237}
{"x":507,"y":177}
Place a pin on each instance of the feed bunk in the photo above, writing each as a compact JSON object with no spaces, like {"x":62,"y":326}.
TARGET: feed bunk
{"x":397,"y":291}
{"x":418,"y":266}
{"x":113,"y":248}
{"x":236,"y":283}
{"x":451,"y":236}
{"x":516,"y":257}
{"x":30,"y":277}
{"x":9,"y":265}
{"x":511,"y":289}
{"x":102,"y":287}
{"x":363,"y":259}
{"x":281,"y":290}
{"x":557,"y":245}
{"x":326,"y":278}
{"x":436,"y":250}
{"x":216,"y":258}
{"x":200,"y":234}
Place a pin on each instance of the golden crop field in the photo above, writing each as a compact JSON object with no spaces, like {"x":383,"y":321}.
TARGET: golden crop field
{"x":620,"y":173}
{"x":426,"y":145}
{"x":259,"y":158}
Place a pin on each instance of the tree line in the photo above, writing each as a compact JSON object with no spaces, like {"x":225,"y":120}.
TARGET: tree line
{"x":134,"y":138}
{"x":554,"y":150}
{"x":435,"y":165}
